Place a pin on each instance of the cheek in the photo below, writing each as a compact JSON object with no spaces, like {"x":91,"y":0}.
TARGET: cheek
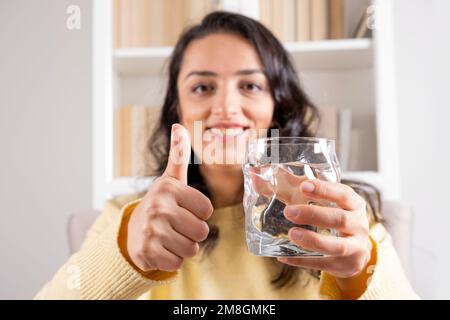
{"x":191,"y":111}
{"x":262,"y":115}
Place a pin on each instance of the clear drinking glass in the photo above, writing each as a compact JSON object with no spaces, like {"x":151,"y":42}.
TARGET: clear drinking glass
{"x":273,"y":172}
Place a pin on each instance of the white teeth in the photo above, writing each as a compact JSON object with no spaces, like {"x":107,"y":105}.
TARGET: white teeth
{"x":228,"y":132}
{"x":216,"y":132}
{"x":233,"y":131}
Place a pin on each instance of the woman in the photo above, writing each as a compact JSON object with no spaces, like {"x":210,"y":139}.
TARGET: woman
{"x":184,"y":238}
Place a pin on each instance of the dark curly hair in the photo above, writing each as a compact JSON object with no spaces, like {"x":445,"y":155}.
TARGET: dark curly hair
{"x":294,"y":113}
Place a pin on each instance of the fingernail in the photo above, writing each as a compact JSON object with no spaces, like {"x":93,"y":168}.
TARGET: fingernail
{"x":308,"y":187}
{"x":291,"y":211}
{"x":296,"y":234}
{"x":175,"y":135}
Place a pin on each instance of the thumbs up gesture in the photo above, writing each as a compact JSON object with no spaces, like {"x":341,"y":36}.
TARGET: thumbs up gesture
{"x":169,"y":222}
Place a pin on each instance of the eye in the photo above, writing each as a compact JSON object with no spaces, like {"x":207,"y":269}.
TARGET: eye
{"x":251,"y":87}
{"x":202,"y":88}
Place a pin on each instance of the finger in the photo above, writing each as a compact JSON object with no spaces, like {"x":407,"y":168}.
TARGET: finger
{"x":339,"y":267}
{"x":323,"y":217}
{"x":261,"y":185}
{"x":284,"y":184}
{"x":179,"y":245}
{"x":179,"y":154}
{"x":321,"y":263}
{"x":325,"y":244}
{"x":194,"y":201}
{"x":187,"y":224}
{"x":344,"y":196}
{"x":162,"y":259}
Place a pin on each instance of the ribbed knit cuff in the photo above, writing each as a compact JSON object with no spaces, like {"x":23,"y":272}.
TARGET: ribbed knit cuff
{"x":388,"y":280}
{"x":329,"y":288}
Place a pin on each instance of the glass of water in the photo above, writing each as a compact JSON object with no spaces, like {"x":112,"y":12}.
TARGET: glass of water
{"x":273,"y":172}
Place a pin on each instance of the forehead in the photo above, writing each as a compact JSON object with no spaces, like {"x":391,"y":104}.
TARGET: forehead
{"x":222,"y":53}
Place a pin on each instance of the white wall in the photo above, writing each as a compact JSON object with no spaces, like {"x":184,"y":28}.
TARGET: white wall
{"x":45,"y":137}
{"x":423,"y":82}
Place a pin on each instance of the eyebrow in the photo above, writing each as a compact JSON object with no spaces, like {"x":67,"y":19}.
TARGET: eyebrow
{"x":206,"y":73}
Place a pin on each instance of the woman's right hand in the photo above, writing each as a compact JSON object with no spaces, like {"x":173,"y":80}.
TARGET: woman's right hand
{"x":169,"y":222}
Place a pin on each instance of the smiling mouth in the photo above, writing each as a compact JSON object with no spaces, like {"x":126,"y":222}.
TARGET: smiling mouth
{"x":227,"y":132}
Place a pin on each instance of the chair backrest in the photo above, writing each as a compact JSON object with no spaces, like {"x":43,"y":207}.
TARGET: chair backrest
{"x":78,"y":225}
{"x":398,"y":221}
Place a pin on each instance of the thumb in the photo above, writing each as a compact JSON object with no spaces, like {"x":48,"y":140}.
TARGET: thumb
{"x":179,"y":154}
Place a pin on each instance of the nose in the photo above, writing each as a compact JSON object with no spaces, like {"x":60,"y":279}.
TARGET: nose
{"x":226,"y":104}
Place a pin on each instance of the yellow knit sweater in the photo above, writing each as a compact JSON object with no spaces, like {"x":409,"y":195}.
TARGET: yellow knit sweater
{"x":102,"y":270}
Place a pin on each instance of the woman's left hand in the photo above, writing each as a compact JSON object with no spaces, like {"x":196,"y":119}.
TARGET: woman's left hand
{"x":346,"y":256}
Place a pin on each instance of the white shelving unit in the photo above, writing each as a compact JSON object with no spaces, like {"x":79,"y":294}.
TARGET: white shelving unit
{"x":349,"y":73}
{"x":314,"y":56}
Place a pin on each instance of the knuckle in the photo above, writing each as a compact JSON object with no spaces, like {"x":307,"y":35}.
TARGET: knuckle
{"x":361,"y":203}
{"x":159,"y":212}
{"x":203,"y":231}
{"x":178,"y":264}
{"x":206,"y":209}
{"x":175,"y":264}
{"x":342,"y":250}
{"x":347,"y":189}
{"x":141,"y":253}
{"x":321,"y":187}
{"x":166,"y":186}
{"x":154,"y":208}
{"x":343,"y":220}
{"x":192,"y":250}
{"x":365,"y":228}
{"x":310,"y":213}
{"x":146,"y":230}
{"x":157,"y":232}
{"x":309,"y":240}
{"x":356,"y":266}
{"x":347,"y":199}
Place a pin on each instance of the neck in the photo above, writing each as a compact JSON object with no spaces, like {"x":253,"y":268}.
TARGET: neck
{"x":225,"y":184}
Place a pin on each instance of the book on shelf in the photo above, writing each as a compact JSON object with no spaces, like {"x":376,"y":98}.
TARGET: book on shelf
{"x":344,"y":137}
{"x":133,"y":127}
{"x":147,"y":23}
{"x":362,"y":29}
{"x":355,"y":149}
{"x":319,"y":19}
{"x":336,"y":19}
{"x":303,"y":20}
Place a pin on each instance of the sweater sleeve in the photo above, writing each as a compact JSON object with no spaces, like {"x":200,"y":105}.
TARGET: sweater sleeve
{"x":100,"y":270}
{"x":387,"y":280}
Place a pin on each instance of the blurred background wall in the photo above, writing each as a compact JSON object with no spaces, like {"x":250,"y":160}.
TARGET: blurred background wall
{"x":45,"y":137}
{"x":422,"y":48}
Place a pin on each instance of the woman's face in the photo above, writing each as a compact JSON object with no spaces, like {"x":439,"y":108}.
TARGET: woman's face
{"x":224,"y":95}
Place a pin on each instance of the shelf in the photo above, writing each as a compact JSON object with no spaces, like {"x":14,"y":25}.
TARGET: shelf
{"x":372,"y":177}
{"x":128,"y":185}
{"x":308,"y":56}
{"x":141,"y":61}
{"x":331,"y":54}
